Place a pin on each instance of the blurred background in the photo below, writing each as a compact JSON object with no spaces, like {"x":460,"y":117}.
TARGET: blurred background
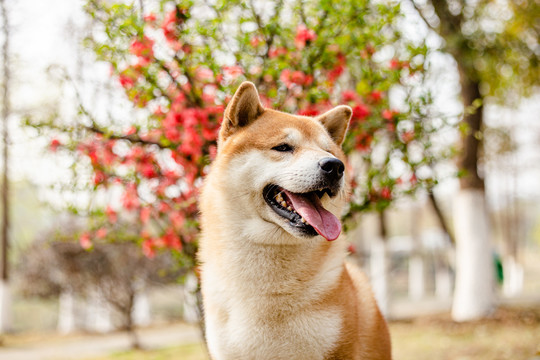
{"x":110,"y":112}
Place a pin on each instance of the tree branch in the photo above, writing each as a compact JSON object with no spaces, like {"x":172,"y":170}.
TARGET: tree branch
{"x":450,"y":24}
{"x":131,"y":138}
{"x":420,"y":11}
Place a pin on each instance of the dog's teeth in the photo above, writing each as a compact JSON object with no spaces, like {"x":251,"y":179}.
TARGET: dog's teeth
{"x":289,"y":208}
{"x":303,"y":220}
{"x":284,"y":203}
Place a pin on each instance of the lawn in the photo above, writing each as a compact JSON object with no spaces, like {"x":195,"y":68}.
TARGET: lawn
{"x":511,"y":334}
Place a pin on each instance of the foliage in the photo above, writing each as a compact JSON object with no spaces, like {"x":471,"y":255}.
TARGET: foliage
{"x":494,"y":42}
{"x":112,"y":268}
{"x":180,"y":62}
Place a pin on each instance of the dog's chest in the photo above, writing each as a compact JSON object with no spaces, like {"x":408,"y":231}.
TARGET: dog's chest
{"x":252,"y":335}
{"x":282,"y":325}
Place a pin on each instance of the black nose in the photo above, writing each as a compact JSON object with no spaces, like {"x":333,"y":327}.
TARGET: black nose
{"x":332,"y":168}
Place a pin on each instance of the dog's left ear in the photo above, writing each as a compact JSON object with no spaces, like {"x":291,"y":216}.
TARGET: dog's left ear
{"x":336,"y":122}
{"x":244,"y":107}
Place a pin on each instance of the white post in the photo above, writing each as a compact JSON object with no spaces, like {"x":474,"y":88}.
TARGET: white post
{"x":5,"y":307}
{"x":513,"y":277}
{"x":416,"y":277}
{"x":379,"y":274}
{"x":443,"y":283}
{"x":191,"y":311}
{"x":474,"y":295}
{"x":98,"y":314}
{"x":141,"y":309}
{"x":67,"y":317}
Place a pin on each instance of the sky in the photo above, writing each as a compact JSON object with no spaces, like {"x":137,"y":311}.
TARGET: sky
{"x":38,"y":41}
{"x":41,"y":38}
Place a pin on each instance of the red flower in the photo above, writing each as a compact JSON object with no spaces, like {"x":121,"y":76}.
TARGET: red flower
{"x":150,"y":17}
{"x":85,"y":241}
{"x":275,"y":52}
{"x":349,"y":95}
{"x":177,"y":219}
{"x":131,"y":130}
{"x":360,"y":112}
{"x":204,"y":74}
{"x":170,"y":26}
{"x":363,"y":142}
{"x":311,"y":110}
{"x":303,"y":36}
{"x":255,"y":40}
{"x":111,"y":214}
{"x":101,"y":233}
{"x":171,"y":240}
{"x":144,"y":214}
{"x":142,"y":48}
{"x":55,"y":143}
{"x":148,"y":248}
{"x":126,"y":81}
{"x":376,"y":96}
{"x":130,"y":198}
{"x":99,"y":177}
{"x":233,"y":71}
{"x":298,"y":77}
{"x":389,"y":115}
{"x":407,"y":136}
{"x":336,"y":72}
{"x":386,"y":193}
{"x":395,"y":64}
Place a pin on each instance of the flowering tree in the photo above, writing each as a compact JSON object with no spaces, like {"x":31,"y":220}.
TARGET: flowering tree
{"x":180,"y":62}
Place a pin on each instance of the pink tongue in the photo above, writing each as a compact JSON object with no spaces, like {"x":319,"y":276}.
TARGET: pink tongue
{"x":310,"y":208}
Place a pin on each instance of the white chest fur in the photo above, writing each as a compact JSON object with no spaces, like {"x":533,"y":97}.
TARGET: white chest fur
{"x":266,"y":304}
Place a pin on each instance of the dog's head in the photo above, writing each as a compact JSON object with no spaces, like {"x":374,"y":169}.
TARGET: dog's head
{"x":283,"y":169}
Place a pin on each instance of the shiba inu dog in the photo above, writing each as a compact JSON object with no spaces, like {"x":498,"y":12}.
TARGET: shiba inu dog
{"x":274,"y":279}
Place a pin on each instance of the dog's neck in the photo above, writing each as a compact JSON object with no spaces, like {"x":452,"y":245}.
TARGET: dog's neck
{"x":284,"y":266}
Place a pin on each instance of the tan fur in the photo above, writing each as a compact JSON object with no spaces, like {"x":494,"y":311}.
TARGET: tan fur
{"x":269,"y":294}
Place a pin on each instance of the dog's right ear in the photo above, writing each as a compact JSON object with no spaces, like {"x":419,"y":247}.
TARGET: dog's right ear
{"x":244,"y":107}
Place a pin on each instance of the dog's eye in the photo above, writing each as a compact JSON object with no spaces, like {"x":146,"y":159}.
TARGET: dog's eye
{"x":283,"y":148}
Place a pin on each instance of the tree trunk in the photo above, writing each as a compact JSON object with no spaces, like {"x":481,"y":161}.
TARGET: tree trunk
{"x":416,"y":259}
{"x":5,"y":294}
{"x":379,"y":267}
{"x":130,"y":326}
{"x":440,"y":217}
{"x":474,"y":296}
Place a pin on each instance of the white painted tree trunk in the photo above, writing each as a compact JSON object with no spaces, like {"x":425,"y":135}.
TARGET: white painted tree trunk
{"x":5,"y":307}
{"x":191,"y":311}
{"x":416,"y":277}
{"x":98,"y":314}
{"x":513,"y":277}
{"x":378,"y":263}
{"x":68,"y":321}
{"x":474,"y":295}
{"x":141,"y":309}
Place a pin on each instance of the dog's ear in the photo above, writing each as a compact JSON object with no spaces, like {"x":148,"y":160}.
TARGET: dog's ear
{"x":244,"y":108}
{"x":336,"y":122}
